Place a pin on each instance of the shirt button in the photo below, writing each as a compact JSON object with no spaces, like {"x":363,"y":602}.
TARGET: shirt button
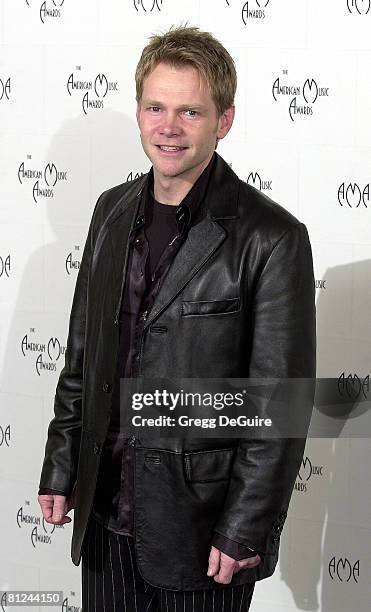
{"x":144,"y":315}
{"x":131,"y":441}
{"x":107,"y":387}
{"x":96,"y":448}
{"x":137,"y":240}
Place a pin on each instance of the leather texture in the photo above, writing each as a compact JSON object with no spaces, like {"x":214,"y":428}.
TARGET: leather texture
{"x":237,"y":301}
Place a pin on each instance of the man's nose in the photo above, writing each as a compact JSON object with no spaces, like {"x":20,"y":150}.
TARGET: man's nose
{"x":170,"y":124}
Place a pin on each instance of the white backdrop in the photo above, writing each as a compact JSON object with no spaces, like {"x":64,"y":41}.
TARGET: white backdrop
{"x":301,"y":135}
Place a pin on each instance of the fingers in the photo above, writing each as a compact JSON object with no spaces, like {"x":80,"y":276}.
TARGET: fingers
{"x":226,"y":569}
{"x":59,"y":510}
{"x":54,"y":509}
{"x":249,"y":563}
{"x":222,"y":567}
{"x":214,"y":560}
{"x":46,"y":503}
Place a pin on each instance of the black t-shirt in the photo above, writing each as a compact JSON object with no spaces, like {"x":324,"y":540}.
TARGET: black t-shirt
{"x":161,"y":228}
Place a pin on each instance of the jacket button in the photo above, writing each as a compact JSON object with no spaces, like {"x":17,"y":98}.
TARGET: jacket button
{"x":277,"y":529}
{"x":96,"y":448}
{"x":107,"y":387}
{"x":131,"y":441}
{"x":275,"y":539}
{"x":282,"y":516}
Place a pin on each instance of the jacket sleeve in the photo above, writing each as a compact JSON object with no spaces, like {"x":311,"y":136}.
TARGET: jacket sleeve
{"x":50,"y":492}
{"x":283,"y":345}
{"x":59,"y":467}
{"x":232,"y":549}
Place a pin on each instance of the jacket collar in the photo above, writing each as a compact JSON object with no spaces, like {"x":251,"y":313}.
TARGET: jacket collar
{"x":222,"y":195}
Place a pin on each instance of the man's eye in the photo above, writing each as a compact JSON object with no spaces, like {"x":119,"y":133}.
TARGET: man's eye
{"x":154,"y":108}
{"x":192,"y":113}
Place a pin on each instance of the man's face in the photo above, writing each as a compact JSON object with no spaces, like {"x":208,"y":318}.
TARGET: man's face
{"x":178,"y":122}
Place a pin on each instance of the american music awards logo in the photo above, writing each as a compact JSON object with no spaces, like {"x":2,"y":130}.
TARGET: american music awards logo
{"x":343,"y":569}
{"x":5,"y":88}
{"x":48,"y":9}
{"x":42,"y":180}
{"x":69,"y":607}
{"x":40,"y":532}
{"x":359,"y":7}
{"x":307,"y":472}
{"x":44,"y":354}
{"x":302,"y":98}
{"x":258,"y":182}
{"x":71,"y":263}
{"x":251,"y":10}
{"x":147,"y":6}
{"x":354,"y":195}
{"x":93,"y":91}
{"x":132,"y":176}
{"x":353,"y":386}
{"x":4,"y":265}
{"x":320,"y":283}
{"x":4,"y":435}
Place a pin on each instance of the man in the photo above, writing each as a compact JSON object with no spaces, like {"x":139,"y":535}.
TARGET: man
{"x":186,"y":272}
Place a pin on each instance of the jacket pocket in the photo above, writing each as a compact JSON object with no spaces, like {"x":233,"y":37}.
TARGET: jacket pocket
{"x":210,"y":307}
{"x":208,"y":466}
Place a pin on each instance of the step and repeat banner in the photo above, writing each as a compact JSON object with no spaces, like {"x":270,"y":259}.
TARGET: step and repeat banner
{"x":302,"y":135}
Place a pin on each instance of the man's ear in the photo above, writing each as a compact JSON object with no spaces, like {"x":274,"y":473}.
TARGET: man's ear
{"x":225,"y":122}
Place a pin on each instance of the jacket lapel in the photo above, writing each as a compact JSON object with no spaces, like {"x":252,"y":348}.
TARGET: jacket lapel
{"x":201,"y":242}
{"x":204,"y":237}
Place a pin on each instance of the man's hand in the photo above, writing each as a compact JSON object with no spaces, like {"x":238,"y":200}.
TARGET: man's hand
{"x":222,"y":567}
{"x":56,"y":507}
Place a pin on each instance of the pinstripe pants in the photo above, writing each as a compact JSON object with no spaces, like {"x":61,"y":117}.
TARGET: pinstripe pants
{"x":111,"y":582}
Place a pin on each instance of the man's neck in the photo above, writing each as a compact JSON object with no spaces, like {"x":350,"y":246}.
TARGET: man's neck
{"x":173,"y":189}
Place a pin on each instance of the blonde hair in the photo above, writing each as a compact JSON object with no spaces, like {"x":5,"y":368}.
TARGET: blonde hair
{"x":189,"y":46}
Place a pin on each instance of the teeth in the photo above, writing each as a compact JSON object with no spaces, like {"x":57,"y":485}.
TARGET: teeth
{"x":171,"y":148}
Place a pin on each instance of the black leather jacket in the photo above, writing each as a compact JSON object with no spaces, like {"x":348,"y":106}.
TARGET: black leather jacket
{"x":243,"y":248}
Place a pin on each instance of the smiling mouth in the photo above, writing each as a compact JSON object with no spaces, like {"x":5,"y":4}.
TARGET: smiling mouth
{"x":170,"y":148}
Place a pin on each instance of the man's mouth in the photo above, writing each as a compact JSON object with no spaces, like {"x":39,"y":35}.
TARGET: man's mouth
{"x":170,"y":148}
